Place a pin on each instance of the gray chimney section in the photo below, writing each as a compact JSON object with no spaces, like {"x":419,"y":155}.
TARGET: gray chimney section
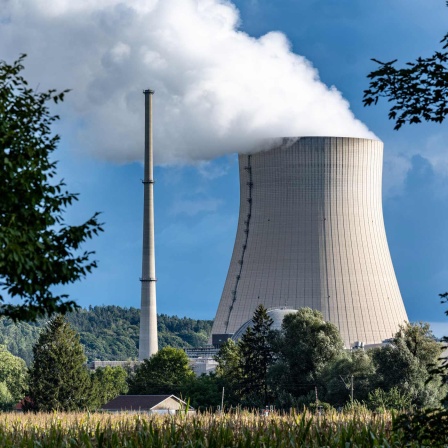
{"x":148,"y":343}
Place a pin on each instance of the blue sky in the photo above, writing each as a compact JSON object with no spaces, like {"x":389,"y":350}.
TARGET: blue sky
{"x":196,"y":199}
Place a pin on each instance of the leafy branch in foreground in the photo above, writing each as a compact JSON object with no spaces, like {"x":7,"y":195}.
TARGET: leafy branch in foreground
{"x":38,"y":250}
{"x":418,"y":92}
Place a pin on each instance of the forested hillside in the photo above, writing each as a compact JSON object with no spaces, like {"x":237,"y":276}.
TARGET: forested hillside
{"x":108,"y":333}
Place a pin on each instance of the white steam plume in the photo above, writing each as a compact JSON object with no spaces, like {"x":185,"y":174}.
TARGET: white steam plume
{"x":218,"y":90}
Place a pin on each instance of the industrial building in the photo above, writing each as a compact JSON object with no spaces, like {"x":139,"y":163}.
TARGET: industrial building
{"x":311,"y":234}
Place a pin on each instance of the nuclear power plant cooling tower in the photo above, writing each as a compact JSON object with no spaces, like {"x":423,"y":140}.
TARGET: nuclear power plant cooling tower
{"x":311,"y":234}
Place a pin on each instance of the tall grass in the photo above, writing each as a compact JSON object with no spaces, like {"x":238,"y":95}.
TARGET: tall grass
{"x":239,"y":429}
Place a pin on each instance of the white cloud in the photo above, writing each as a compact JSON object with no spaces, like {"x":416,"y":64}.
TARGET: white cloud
{"x":214,"y":169}
{"x":436,"y":151}
{"x":218,"y":90}
{"x":395,"y":169}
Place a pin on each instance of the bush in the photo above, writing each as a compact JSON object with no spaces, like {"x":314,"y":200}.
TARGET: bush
{"x":379,"y":400}
{"x":7,"y":401}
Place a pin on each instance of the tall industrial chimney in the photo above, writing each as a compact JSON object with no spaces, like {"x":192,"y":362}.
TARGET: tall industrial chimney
{"x":148,"y":344}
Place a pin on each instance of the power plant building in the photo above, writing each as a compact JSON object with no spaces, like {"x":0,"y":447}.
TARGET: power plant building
{"x":311,"y":234}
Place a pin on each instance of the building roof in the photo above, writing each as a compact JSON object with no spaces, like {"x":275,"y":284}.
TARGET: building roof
{"x":138,"y":402}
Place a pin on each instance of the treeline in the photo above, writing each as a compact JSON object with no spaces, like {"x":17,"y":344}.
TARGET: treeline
{"x":59,"y":379}
{"x":305,"y":364}
{"x":302,"y":366}
{"x":107,"y":333}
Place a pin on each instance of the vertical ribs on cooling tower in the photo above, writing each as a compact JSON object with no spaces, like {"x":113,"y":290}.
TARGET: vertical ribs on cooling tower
{"x":311,"y":233}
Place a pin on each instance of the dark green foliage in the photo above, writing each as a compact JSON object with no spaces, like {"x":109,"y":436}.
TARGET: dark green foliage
{"x":271,"y":367}
{"x":256,"y":357}
{"x":183,"y":332}
{"x":407,"y":362}
{"x":229,"y":360}
{"x":20,"y":337}
{"x":38,"y":250}
{"x":307,"y":343}
{"x":107,"y":383}
{"x":420,"y":341}
{"x":380,"y":400}
{"x":429,"y":426}
{"x":166,"y":372}
{"x":107,"y":333}
{"x":229,"y":372}
{"x":112,"y":333}
{"x":205,"y":392}
{"x":243,"y":366}
{"x":13,"y":378}
{"x":7,"y":401}
{"x":423,"y":427}
{"x":58,"y":377}
{"x":440,"y":369}
{"x":418,"y":92}
{"x":336,"y":377}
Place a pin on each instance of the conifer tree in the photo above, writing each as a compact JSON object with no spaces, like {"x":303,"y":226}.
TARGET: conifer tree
{"x":58,"y":377}
{"x":256,"y":355}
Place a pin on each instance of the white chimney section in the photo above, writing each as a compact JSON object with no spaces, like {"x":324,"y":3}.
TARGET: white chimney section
{"x":148,"y":343}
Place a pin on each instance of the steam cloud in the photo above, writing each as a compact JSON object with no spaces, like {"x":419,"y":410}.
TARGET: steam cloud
{"x":218,"y":90}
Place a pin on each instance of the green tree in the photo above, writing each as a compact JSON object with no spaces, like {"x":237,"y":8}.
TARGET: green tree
{"x":229,"y":360}
{"x":205,"y":392}
{"x":58,"y":377}
{"x":394,"y":399}
{"x":418,"y":92}
{"x":441,"y":368}
{"x":306,"y":344}
{"x":166,"y":372}
{"x":420,"y":341}
{"x":256,"y":356}
{"x":38,"y":250}
{"x":407,"y":362}
{"x":229,"y":372}
{"x":107,"y":383}
{"x":7,"y":401}
{"x":336,"y":377}
{"x":13,"y":376}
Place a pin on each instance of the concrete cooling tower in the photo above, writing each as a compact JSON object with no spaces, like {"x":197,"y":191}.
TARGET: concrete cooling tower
{"x":311,"y":234}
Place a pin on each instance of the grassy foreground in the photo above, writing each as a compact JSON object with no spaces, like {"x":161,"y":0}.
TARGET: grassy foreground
{"x":206,"y":430}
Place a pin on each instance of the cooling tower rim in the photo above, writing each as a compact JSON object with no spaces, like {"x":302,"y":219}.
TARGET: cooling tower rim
{"x":334,"y":137}
{"x":298,"y":137}
{"x":267,"y":144}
